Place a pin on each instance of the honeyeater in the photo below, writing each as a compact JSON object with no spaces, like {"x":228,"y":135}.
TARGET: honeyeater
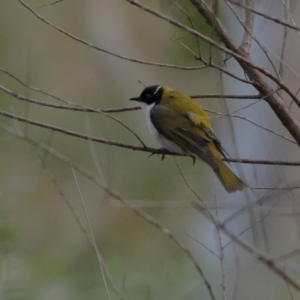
{"x":181,"y":125}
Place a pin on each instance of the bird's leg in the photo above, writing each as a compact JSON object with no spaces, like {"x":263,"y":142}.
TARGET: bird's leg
{"x":193,"y":158}
{"x":163,"y":154}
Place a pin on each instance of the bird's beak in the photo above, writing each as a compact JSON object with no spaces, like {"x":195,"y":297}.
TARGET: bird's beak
{"x":135,"y":99}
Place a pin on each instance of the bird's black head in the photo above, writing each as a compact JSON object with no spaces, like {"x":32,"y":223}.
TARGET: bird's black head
{"x":151,"y":94}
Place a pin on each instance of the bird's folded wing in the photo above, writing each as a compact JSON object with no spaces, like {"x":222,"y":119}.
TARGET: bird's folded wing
{"x":179,"y":129}
{"x":203,"y":123}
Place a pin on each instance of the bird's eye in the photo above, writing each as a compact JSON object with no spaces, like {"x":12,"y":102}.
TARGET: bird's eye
{"x":148,"y":96}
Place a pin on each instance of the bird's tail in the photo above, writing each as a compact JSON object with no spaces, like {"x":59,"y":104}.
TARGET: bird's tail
{"x":228,"y":179}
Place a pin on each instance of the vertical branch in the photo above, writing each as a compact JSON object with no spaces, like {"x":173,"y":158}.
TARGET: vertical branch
{"x":222,"y":256}
{"x":286,"y":4}
{"x":249,"y":18}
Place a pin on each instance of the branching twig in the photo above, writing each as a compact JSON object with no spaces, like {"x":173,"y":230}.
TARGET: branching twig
{"x":76,"y":107}
{"x":221,"y":115}
{"x":256,"y":253}
{"x":266,"y":16}
{"x":107,"y":51}
{"x":209,"y":63}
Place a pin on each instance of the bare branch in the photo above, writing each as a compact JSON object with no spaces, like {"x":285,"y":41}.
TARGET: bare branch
{"x":137,"y":148}
{"x":31,"y":87}
{"x":221,"y":115}
{"x":247,"y":38}
{"x":285,"y":36}
{"x":246,"y":97}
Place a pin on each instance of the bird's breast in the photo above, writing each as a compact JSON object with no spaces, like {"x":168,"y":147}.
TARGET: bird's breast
{"x":165,"y":142}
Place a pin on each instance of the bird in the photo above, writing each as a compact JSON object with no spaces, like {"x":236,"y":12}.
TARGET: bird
{"x":181,"y":126}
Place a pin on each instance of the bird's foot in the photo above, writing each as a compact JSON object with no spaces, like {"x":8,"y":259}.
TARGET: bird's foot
{"x":193,"y":157}
{"x":163,"y":154}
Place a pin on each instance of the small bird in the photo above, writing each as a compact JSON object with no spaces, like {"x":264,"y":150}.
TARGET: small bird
{"x":181,"y":126}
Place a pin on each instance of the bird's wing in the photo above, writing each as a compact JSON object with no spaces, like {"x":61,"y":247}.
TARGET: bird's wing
{"x":201,"y":121}
{"x":179,"y":129}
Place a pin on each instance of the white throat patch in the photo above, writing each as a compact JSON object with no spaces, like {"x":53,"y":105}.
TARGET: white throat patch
{"x":166,"y":143}
{"x":147,"y":109}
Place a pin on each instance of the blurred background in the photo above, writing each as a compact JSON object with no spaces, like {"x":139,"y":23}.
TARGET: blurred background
{"x":45,"y":251}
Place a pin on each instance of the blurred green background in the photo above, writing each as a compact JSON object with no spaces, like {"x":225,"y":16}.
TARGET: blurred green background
{"x":44,"y":253}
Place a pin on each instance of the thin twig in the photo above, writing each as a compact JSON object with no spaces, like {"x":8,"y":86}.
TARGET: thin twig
{"x":203,"y":245}
{"x":33,"y":88}
{"x":265,"y":128}
{"x":192,"y":23}
{"x":221,"y":115}
{"x":249,"y":227}
{"x":91,"y":232}
{"x":246,"y":97}
{"x":221,"y":247}
{"x":52,"y":3}
{"x":209,"y":63}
